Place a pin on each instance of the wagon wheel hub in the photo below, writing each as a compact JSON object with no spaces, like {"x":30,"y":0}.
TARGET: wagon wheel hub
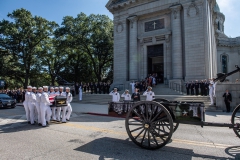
{"x":146,"y":126}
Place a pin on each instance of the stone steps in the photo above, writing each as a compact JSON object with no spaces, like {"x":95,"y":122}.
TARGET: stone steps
{"x":103,"y":99}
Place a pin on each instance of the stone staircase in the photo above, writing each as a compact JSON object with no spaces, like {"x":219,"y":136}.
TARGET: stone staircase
{"x":162,"y":89}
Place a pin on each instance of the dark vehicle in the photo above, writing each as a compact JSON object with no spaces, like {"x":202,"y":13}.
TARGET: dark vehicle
{"x":6,"y":101}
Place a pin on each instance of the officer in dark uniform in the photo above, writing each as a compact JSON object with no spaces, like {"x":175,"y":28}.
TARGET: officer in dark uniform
{"x":187,"y":85}
{"x":202,"y":88}
{"x":196,"y":86}
{"x":95,"y":88}
{"x":192,"y":88}
{"x":91,"y":87}
{"x":136,"y":95}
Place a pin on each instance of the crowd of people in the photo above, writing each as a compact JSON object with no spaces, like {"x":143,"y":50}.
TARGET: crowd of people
{"x":18,"y":94}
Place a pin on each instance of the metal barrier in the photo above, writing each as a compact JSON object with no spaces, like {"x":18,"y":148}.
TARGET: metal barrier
{"x":177,"y":87}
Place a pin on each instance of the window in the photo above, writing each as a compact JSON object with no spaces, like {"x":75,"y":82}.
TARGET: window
{"x":219,"y":26}
{"x":224,"y":63}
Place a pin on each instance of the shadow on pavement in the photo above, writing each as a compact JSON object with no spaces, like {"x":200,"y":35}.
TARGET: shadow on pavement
{"x":124,"y":149}
{"x":233,"y":151}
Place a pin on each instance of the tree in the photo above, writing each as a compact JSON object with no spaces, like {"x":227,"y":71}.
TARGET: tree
{"x":22,"y":37}
{"x":91,"y":35}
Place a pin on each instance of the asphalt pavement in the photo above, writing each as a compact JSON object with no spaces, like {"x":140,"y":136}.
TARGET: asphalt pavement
{"x":101,"y":138}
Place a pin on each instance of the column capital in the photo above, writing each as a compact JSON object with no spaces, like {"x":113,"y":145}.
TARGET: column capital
{"x":176,"y":10}
{"x":132,"y":19}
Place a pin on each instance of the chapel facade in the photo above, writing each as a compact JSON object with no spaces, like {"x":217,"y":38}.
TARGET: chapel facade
{"x":180,"y":40}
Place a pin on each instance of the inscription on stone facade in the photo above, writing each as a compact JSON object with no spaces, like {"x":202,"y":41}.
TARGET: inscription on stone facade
{"x":154,"y":25}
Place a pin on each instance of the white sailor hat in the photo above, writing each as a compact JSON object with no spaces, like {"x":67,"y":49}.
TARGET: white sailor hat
{"x":51,"y":88}
{"x":149,"y":87}
{"x":126,"y":90}
{"x":40,"y":88}
{"x":67,"y":88}
{"x":29,"y":87}
{"x":115,"y":88}
{"x":56,"y":88}
{"x":34,"y":88}
{"x":60,"y":87}
{"x":45,"y":86}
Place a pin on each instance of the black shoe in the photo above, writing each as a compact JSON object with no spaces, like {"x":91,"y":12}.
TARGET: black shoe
{"x":64,"y":122}
{"x":32,"y":123}
{"x":29,"y":122}
{"x":67,"y":119}
{"x":58,"y":121}
{"x":39,"y":124}
{"x":44,"y":126}
{"x":47,"y":122}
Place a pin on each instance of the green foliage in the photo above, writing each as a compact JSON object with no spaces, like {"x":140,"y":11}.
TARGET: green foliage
{"x":34,"y":50}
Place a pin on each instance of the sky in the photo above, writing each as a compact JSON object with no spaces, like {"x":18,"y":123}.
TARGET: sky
{"x":55,"y":10}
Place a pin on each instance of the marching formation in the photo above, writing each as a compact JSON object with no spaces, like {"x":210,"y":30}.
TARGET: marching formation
{"x":39,"y":109}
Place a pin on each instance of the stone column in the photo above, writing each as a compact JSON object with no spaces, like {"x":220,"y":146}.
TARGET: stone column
{"x":177,"y":64}
{"x":167,"y":58}
{"x":133,"y":56}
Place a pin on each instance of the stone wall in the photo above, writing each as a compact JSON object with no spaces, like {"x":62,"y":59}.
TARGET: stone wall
{"x":234,"y":89}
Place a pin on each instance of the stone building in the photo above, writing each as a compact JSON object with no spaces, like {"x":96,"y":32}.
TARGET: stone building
{"x":181,"y":40}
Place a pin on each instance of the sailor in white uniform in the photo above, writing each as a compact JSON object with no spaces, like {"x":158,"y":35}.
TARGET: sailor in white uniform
{"x":115,"y":95}
{"x":149,"y":93}
{"x":115,"y":98}
{"x":29,"y":105}
{"x":211,"y":90}
{"x":38,"y":99}
{"x":80,"y":91}
{"x":133,"y":86}
{"x":45,"y":107}
{"x":69,"y":100}
{"x":127,"y":97}
{"x":34,"y":90}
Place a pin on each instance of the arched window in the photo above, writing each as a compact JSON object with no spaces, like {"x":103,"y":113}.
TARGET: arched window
{"x":224,"y":63}
{"x":219,"y":26}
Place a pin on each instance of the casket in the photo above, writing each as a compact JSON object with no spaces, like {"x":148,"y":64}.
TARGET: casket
{"x":60,"y":101}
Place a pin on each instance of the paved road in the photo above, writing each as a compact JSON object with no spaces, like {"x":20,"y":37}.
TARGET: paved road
{"x":99,"y":137}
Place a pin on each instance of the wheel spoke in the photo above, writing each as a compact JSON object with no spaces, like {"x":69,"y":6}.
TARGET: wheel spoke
{"x":136,"y":129}
{"x":161,"y":119}
{"x":158,"y":135}
{"x":148,"y":139}
{"x":159,"y":113}
{"x":167,"y":125}
{"x":137,"y":119}
{"x":154,"y":138}
{"x":139,"y":134}
{"x":135,"y":124}
{"x":137,"y":114}
{"x":146,"y":110}
{"x":161,"y":130}
{"x":144,"y":136}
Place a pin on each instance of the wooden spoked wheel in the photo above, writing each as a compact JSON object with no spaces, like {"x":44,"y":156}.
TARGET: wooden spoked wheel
{"x":149,"y":125}
{"x":236,"y":120}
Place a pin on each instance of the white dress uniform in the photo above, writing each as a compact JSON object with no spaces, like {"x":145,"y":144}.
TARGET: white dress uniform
{"x":80,"y":92}
{"x":127,"y":97}
{"x":150,"y":95}
{"x":29,"y":105}
{"x":132,"y":86}
{"x":115,"y":96}
{"x":53,"y":108}
{"x":45,"y":108}
{"x":38,"y":99}
{"x":69,"y":107}
{"x":211,"y":94}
